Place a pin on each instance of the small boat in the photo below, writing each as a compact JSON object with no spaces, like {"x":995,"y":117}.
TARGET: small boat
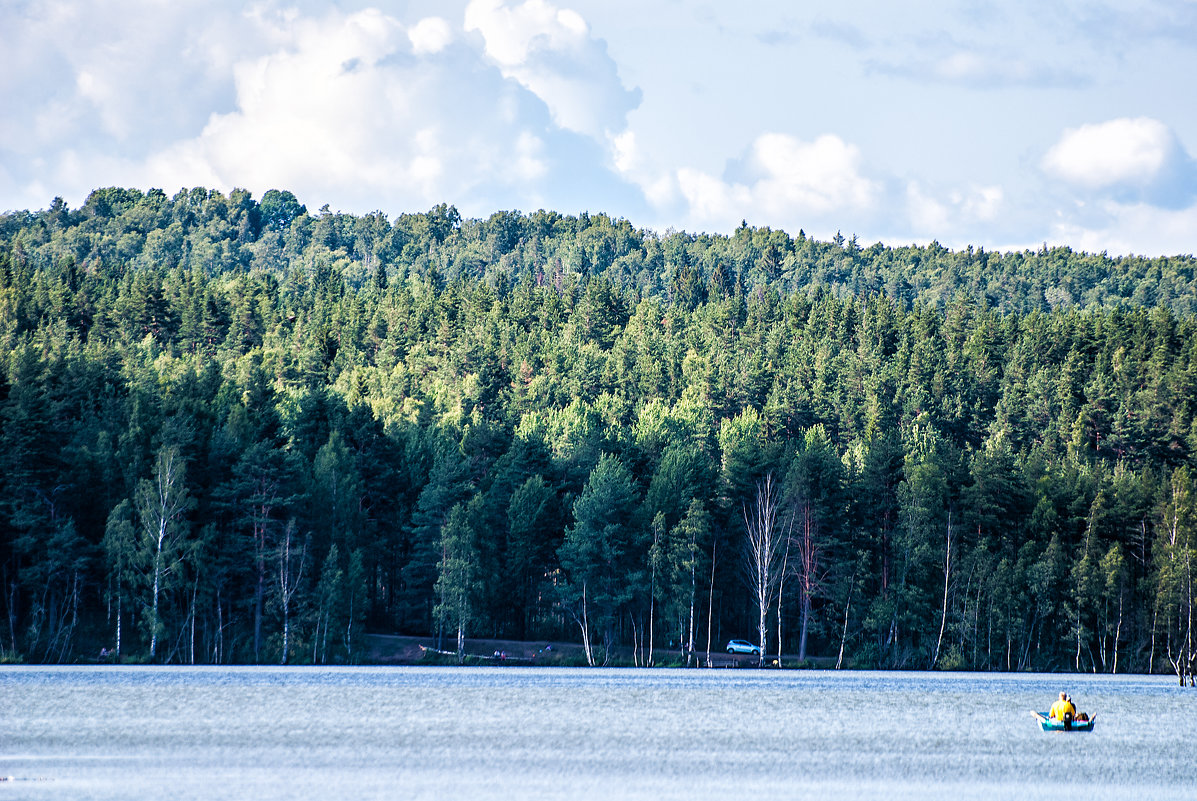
{"x":1058,"y":725}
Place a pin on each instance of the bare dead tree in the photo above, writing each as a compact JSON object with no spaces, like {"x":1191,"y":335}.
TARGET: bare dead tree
{"x":764,"y":552}
{"x":810,"y":569}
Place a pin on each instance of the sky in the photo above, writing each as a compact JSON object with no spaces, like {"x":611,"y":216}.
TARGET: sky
{"x":1005,"y":125}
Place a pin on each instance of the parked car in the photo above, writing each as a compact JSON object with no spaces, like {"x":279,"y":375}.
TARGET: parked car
{"x":742,"y":647}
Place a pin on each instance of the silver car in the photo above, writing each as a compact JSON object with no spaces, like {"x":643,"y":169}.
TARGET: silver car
{"x":742,"y":647}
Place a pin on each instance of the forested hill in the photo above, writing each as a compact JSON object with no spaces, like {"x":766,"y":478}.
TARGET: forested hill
{"x":234,"y":431}
{"x":201,"y":229}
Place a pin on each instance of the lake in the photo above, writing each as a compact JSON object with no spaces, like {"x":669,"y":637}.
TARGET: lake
{"x":253,"y":733}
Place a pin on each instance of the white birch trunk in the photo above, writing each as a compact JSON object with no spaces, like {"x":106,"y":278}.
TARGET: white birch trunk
{"x":157,"y":584}
{"x":690,"y":626}
{"x":763,"y":556}
{"x":839,"y":660}
{"x":1117,"y":632}
{"x":947,"y":575}
{"x":711,"y":602}
{"x":585,"y":624}
{"x":652,"y":603}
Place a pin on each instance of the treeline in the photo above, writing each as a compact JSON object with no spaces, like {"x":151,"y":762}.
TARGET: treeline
{"x":206,"y":231}
{"x":232,"y":431}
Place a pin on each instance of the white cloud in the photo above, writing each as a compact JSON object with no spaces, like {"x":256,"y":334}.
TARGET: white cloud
{"x":625,"y":152}
{"x":520,"y":104}
{"x":1125,"y":161}
{"x":785,"y":182}
{"x":528,"y":164}
{"x":982,"y":203}
{"x":360,"y":110}
{"x":712,"y":200}
{"x":1119,"y":152}
{"x":551,"y":53}
{"x":944,"y":217}
{"x":812,"y":177}
{"x":1136,"y":228}
{"x":512,"y":34}
{"x":975,"y":67}
{"x":970,"y":66}
{"x":119,"y":70}
{"x":430,"y":35}
{"x":333,"y":112}
{"x":659,"y":186}
{"x":926,"y":213}
{"x":100,"y":85}
{"x":312,"y":111}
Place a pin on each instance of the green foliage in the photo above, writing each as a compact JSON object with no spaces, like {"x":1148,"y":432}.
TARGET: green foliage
{"x":599,"y":402}
{"x":456,"y":583}
{"x":602,"y":557}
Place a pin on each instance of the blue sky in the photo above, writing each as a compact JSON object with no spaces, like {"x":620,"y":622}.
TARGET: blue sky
{"x":999,"y":124}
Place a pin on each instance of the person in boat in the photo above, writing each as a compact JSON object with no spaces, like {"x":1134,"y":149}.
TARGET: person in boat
{"x":1063,"y":710}
{"x":1078,"y":717}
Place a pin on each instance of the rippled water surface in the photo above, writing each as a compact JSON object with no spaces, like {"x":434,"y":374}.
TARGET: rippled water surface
{"x":558,"y":733}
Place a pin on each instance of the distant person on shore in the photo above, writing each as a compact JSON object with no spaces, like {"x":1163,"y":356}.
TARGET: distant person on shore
{"x":1063,"y":710}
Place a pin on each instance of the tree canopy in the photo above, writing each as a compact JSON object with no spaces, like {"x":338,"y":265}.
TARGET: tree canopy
{"x":233,"y":430}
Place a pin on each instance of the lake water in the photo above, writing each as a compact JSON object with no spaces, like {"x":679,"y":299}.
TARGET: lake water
{"x":578,"y":734}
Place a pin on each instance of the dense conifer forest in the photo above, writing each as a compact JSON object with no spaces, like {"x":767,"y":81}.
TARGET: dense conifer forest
{"x":232,"y":430}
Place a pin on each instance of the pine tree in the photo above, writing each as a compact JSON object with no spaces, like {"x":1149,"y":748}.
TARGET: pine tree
{"x":601,"y":557}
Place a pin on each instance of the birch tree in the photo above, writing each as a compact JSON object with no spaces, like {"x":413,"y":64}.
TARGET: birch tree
{"x":355,"y":603}
{"x":162,"y":503}
{"x":330,"y":591}
{"x":764,"y":552}
{"x":1175,"y":553}
{"x":1117,"y":578}
{"x":258,"y":496}
{"x":656,"y":561}
{"x":457,"y":574}
{"x":120,"y":554}
{"x":687,"y":552}
{"x":290,"y":575}
{"x":947,"y":583}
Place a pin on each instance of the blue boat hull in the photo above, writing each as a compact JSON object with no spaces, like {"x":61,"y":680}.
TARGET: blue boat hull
{"x":1048,"y":724}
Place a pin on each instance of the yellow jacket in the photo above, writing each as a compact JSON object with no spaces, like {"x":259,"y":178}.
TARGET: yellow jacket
{"x":1059,"y":708}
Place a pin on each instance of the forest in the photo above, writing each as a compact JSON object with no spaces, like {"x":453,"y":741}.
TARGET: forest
{"x":234,"y":431}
